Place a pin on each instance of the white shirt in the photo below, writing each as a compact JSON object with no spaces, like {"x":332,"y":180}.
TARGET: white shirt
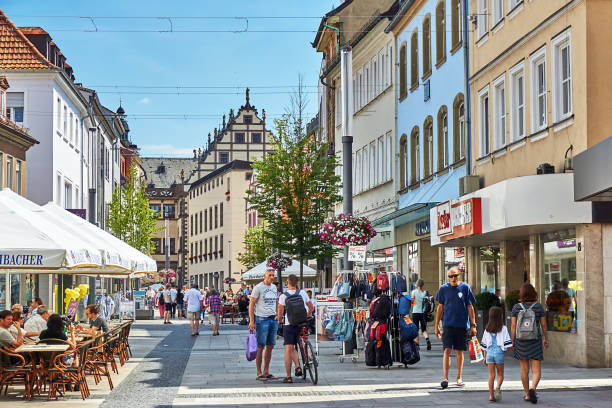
{"x":173,"y":295}
{"x":35,"y":324}
{"x":193,"y":297}
{"x":283,"y":298}
{"x":266,"y":299}
{"x":150,"y":293}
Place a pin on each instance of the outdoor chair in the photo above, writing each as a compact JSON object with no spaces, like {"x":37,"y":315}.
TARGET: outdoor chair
{"x":227,"y":312}
{"x":20,"y":373}
{"x":62,"y":374}
{"x":98,"y":359}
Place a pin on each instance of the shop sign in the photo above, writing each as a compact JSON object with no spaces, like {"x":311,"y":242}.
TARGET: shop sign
{"x":421,"y":228}
{"x":357,"y":253}
{"x":459,"y":219}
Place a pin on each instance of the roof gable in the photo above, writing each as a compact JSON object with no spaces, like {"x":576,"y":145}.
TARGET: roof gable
{"x":16,"y":51}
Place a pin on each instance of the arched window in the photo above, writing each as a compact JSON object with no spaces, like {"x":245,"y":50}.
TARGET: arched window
{"x":442,"y":138}
{"x":428,"y":147}
{"x":403,"y":161}
{"x":403,"y":91}
{"x":415,"y":159}
{"x":441,"y":32}
{"x":459,"y":128}
{"x":414,"y":60}
{"x":456,"y":27}
{"x":426,"y":46}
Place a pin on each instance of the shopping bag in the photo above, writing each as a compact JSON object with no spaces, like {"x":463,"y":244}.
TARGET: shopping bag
{"x":251,"y":347}
{"x":475,"y":350}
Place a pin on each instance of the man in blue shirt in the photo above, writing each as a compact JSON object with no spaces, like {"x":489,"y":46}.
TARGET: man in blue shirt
{"x":456,"y":301}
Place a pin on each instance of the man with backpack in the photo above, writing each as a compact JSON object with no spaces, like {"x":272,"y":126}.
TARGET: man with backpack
{"x":456,"y":302}
{"x":298,"y":308}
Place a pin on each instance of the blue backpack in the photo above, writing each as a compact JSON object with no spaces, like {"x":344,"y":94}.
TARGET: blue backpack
{"x":405,"y":302}
{"x":408,"y":330}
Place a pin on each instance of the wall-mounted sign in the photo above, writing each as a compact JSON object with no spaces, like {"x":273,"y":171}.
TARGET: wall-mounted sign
{"x":459,"y":218}
{"x":357,"y":253}
{"x":421,"y":228}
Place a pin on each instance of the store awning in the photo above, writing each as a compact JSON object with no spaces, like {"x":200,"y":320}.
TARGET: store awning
{"x":257,"y":272}
{"x":509,"y":210}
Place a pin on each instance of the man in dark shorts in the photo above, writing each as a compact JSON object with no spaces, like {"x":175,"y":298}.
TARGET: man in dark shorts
{"x":456,"y":301}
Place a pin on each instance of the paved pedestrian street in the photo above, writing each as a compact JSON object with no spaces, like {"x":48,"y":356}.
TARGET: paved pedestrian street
{"x":171,"y":368}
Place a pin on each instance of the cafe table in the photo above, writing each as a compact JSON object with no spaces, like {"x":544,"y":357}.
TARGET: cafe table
{"x":41,"y":356}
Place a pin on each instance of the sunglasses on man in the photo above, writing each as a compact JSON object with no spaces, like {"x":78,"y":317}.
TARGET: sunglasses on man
{"x":454,"y":275}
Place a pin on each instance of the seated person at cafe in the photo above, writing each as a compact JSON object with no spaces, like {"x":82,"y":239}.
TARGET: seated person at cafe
{"x":33,"y":309}
{"x":6,"y":339}
{"x":18,"y":324}
{"x":96,"y":322}
{"x":55,"y":330}
{"x":37,"y":323}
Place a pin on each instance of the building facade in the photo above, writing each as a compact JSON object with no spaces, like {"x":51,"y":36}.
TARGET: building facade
{"x":536,"y":103}
{"x":432,"y":135}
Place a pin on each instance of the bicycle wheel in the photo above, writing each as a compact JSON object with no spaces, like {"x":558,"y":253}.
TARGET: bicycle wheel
{"x":312,"y":363}
{"x":302,"y":350}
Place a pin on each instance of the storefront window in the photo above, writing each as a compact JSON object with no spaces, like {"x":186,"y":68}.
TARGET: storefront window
{"x":14,"y":291}
{"x":560,"y":284}
{"x":489,"y":269}
{"x":380,"y":260}
{"x":412,"y":267}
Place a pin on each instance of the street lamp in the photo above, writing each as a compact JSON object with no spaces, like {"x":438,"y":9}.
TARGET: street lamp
{"x":346,"y":69}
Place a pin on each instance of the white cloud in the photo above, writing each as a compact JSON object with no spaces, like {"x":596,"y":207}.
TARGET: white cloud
{"x":145,"y":100}
{"x":166,"y":150}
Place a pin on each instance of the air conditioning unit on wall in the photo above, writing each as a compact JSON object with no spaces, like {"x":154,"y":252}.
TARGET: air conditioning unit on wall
{"x":468,"y":184}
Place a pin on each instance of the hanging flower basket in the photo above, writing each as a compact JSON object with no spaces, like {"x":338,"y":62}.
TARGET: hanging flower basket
{"x":347,"y":230}
{"x":278,"y":262}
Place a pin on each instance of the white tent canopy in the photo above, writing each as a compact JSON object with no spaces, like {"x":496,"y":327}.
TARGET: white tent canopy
{"x":257,"y":273}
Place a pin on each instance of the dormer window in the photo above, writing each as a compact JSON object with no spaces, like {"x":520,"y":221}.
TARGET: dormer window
{"x":161,"y":169}
{"x":248,"y":118}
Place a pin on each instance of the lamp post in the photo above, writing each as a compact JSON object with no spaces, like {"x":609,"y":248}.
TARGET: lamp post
{"x":229,"y":261}
{"x":346,"y":69}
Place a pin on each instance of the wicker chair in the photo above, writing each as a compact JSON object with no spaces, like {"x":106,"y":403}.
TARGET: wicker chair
{"x":63,"y":373}
{"x":20,"y":373}
{"x":98,"y":359}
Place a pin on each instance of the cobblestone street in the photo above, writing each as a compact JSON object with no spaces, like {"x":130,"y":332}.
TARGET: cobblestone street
{"x":170,"y":368}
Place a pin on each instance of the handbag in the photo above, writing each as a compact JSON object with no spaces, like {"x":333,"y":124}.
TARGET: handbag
{"x":338,"y":329}
{"x":331,"y":326}
{"x":334,"y":291}
{"x":345,"y":288}
{"x":251,"y":346}
{"x":475,"y":350}
{"x":350,"y":325}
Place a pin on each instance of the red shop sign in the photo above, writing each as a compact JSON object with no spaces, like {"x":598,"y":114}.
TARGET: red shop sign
{"x":459,"y":219}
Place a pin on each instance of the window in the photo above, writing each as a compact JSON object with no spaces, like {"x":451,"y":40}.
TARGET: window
{"x":403,"y":161}
{"x":191,"y":223}
{"x":428,"y":147}
{"x":426,"y":46}
{"x":106,"y":163}
{"x":483,"y":18}
{"x":441,"y":32}
{"x":382,"y":177}
{"x":59,"y":116}
{"x":221,"y":246}
{"x":67,"y":195}
{"x":358,"y":172}
{"x":71,"y":132}
{"x":365,"y":166}
{"x":414,"y":60}
{"x":58,"y":189}
{"x":239,"y":138}
{"x":499,"y":114}
{"x":442,"y":138}
{"x":195,"y":232}
{"x":415,"y":156}
{"x":205,"y":219}
{"x":156,"y":242}
{"x":373,"y":166}
{"x":256,"y":138}
{"x":375,"y":82}
{"x":248,"y":119}
{"x":65,"y":123}
{"x":169,"y":211}
{"x":191,"y":253}
{"x":216,"y":247}
{"x":157,"y":209}
{"x":389,"y":155}
{"x":366,"y":82}
{"x":483,"y":113}
{"x":205,"y":248}
{"x":512,"y":4}
{"x":539,"y":112}
{"x":456,"y":22}
{"x":77,"y":130}
{"x":338,"y":102}
{"x":210,"y":218}
{"x":9,"y":172}
{"x":498,"y":11}
{"x":389,"y":68}
{"x":216,"y":216}
{"x":562,"y":76}
{"x":172,"y":246}
{"x":1,"y":170}
{"x":2,"y":104}
{"x":403,"y":91}
{"x":221,"y":214}
{"x":359,"y":89}
{"x":210,"y":246}
{"x":223,"y":157}
{"x":14,"y":105}
{"x":517,"y":90}
{"x":18,"y":176}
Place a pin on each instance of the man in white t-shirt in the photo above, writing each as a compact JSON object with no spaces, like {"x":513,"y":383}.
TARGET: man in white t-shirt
{"x":193,"y":298}
{"x":38,"y":322}
{"x":173,"y":294}
{"x":295,"y":317}
{"x":167,"y":304}
{"x":262,"y":321}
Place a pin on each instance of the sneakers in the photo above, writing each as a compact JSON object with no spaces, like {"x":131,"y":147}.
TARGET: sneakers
{"x":444,"y":384}
{"x":497,"y":394}
{"x":428,"y":344}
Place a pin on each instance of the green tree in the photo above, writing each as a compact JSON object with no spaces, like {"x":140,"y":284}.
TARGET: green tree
{"x":130,"y":218}
{"x":296,"y":189}
{"x":257,"y":245}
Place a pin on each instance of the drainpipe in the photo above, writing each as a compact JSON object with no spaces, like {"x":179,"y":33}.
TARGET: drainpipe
{"x":467,"y":103}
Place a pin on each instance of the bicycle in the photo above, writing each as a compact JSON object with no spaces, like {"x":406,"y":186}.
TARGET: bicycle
{"x":309,"y":359}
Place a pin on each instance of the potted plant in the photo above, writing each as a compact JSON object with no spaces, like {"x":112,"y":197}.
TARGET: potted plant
{"x":484,"y":301}
{"x":512,"y":298}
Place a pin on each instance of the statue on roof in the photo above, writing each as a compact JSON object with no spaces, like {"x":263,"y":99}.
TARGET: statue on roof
{"x":263,"y":114}
{"x":247,"y":97}
{"x":216,"y":133}
{"x":231,"y":114}
{"x":224,"y":121}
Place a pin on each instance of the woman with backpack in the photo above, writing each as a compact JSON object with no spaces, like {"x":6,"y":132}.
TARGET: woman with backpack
{"x":528,"y":336}
{"x":418,"y":316}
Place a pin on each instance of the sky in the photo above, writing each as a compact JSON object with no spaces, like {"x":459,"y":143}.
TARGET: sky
{"x":175,"y":86}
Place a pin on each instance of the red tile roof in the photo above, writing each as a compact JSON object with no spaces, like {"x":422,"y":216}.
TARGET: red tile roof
{"x":32,"y":30}
{"x":16,"y":51}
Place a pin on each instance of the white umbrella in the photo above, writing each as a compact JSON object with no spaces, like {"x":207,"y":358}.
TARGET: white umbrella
{"x":30,"y":241}
{"x":257,"y":273}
